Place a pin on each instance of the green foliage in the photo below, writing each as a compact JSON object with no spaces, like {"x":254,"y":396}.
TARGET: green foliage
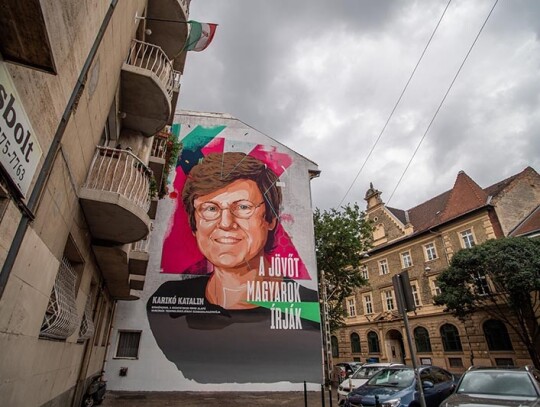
{"x":341,"y":238}
{"x":512,"y":267}
{"x":153,"y":190}
{"x":171,"y":156}
{"x":511,"y":264}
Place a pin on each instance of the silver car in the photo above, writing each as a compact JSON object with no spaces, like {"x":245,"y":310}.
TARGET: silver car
{"x":497,"y":387}
{"x":359,"y":377}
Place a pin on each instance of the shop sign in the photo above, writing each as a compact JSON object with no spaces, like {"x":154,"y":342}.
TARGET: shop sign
{"x":19,"y":148}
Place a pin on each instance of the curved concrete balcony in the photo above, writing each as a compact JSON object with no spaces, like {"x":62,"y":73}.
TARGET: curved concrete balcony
{"x":115,"y":197}
{"x":148,"y":82}
{"x":138,"y":258}
{"x":170,"y":36}
{"x":115,"y":264}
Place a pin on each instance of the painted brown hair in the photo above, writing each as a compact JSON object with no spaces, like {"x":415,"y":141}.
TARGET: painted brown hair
{"x":217,"y":170}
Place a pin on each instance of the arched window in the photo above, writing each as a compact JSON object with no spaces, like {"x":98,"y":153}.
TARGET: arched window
{"x":373,"y":342}
{"x":355,"y":343}
{"x":450,"y":338}
{"x":496,"y":335}
{"x":335,"y":347}
{"x":421,"y":337}
{"x":378,"y":231}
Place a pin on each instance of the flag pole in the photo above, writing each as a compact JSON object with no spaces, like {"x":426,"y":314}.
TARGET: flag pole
{"x":164,"y":20}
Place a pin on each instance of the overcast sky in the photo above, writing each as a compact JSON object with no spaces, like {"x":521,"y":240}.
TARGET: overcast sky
{"x":322,"y":77}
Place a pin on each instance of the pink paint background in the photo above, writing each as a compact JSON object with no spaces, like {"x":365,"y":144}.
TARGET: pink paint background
{"x":180,"y":252}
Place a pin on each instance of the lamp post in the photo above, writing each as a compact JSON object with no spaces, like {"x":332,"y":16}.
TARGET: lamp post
{"x":327,"y":341}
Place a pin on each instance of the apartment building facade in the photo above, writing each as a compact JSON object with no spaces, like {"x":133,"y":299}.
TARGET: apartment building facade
{"x":87,"y":92}
{"x":422,"y":241}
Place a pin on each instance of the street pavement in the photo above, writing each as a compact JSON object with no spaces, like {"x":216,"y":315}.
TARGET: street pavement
{"x":221,"y":399}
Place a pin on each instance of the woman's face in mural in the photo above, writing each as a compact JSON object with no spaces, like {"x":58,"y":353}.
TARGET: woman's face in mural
{"x":231,"y":228}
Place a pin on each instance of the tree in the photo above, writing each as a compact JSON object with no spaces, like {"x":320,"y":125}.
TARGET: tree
{"x":502,"y":278}
{"x":341,"y":238}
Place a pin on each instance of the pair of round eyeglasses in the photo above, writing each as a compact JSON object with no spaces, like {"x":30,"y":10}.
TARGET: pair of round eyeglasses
{"x":240,"y":209}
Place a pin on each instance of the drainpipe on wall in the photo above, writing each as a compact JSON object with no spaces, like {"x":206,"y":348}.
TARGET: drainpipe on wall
{"x":47,"y":167}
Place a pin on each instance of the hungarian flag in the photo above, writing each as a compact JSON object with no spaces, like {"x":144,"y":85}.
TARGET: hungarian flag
{"x":200,"y":36}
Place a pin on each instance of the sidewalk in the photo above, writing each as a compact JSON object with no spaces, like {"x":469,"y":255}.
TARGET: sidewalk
{"x":221,"y":399}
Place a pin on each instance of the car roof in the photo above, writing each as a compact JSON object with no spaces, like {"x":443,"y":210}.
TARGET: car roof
{"x":383,"y":364}
{"x":527,"y":368}
{"x":502,"y":368}
{"x":420,"y":367}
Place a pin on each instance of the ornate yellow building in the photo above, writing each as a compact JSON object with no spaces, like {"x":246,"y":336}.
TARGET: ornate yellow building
{"x":422,"y":240}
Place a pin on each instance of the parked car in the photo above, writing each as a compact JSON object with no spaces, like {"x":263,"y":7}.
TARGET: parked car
{"x":496,"y":387}
{"x":342,"y":370}
{"x":358,"y":378}
{"x":397,"y":387}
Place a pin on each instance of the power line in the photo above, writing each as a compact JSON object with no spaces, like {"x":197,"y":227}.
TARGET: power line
{"x":442,"y":101}
{"x":396,"y":105}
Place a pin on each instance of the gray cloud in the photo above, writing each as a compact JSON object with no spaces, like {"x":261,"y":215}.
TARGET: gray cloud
{"x":323,"y":77}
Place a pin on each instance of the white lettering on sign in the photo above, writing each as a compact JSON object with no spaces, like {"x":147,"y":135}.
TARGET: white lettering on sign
{"x":19,"y":149}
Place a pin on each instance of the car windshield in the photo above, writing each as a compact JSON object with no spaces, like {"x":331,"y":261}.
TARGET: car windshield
{"x":399,"y":378}
{"x":498,"y":384}
{"x":366,"y":372}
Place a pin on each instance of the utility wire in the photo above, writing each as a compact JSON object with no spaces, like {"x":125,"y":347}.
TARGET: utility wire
{"x":442,"y":101}
{"x":396,"y":105}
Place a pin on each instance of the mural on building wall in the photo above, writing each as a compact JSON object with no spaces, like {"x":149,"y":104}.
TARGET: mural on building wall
{"x":235,"y":309}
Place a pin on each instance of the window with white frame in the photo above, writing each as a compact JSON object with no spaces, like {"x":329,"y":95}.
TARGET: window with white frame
{"x":368,"y":304}
{"x":128,"y":344}
{"x":364,"y":272}
{"x":383,"y":267}
{"x":481,"y":283}
{"x":406,"y":259}
{"x":388,"y":300}
{"x":467,"y":239}
{"x":435,"y":290}
{"x":416,"y":294}
{"x":430,"y":251}
{"x":351,"y":307}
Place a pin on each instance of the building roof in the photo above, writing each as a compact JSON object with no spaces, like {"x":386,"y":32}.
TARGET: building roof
{"x":530,"y":225}
{"x":400,"y":214}
{"x":464,"y":197}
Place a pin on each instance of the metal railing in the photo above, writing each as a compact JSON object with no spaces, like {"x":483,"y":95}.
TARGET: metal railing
{"x":122,"y":172}
{"x":185,"y":5}
{"x":152,"y":58}
{"x":177,"y":75}
{"x":159,"y":146}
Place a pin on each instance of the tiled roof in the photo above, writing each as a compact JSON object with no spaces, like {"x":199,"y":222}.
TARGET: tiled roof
{"x":529,"y":225}
{"x":426,"y":214}
{"x":399,"y":213}
{"x":496,"y":188}
{"x":465,"y":196}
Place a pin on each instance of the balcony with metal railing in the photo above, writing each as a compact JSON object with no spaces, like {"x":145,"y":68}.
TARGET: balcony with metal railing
{"x":167,"y":21}
{"x":158,"y":156}
{"x":116,"y":196}
{"x":138,"y":258}
{"x":148,"y":83}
